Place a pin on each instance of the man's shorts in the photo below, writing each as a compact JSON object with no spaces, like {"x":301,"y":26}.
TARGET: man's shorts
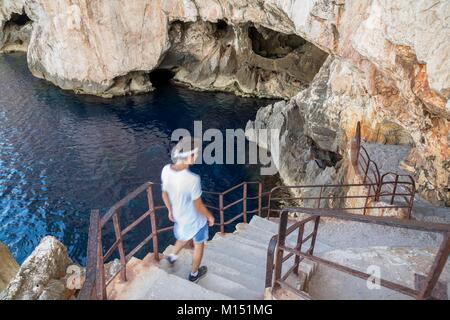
{"x":202,"y":235}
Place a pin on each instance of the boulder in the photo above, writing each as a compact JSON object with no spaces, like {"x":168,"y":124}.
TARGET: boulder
{"x":8,"y":266}
{"x":41,"y":276}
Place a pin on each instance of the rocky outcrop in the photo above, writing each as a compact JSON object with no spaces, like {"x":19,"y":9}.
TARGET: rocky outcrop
{"x":8,"y":266}
{"x":389,"y":63}
{"x":41,"y":276}
{"x":324,"y":116}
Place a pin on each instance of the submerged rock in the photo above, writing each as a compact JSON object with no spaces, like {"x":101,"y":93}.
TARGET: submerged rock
{"x":41,"y":276}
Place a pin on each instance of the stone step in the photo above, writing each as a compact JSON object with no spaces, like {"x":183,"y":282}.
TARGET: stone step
{"x":157,"y":284}
{"x":264,"y":224}
{"x":214,"y":281}
{"x":255,"y":234}
{"x":235,"y":263}
{"x":263,"y":237}
{"x":272,"y":227}
{"x":254,"y":230}
{"x":258,"y":232}
{"x":253,"y":256}
{"x":238,"y":238}
{"x":247,"y":280}
{"x":244,"y":245}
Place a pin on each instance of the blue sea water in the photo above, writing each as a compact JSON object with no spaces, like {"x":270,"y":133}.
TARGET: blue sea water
{"x":62,"y":155}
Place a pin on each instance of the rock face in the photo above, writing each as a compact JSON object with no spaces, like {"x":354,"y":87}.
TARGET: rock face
{"x":242,"y":59}
{"x":8,"y":266}
{"x":41,"y":276}
{"x":389,"y":64}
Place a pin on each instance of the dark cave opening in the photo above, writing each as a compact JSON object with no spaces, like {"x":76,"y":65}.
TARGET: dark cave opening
{"x":19,"y":19}
{"x":221,"y":25}
{"x":161,"y":77}
{"x":273,"y":45}
{"x":16,"y":33}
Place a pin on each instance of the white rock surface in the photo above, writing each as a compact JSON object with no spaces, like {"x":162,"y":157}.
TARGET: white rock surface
{"x":8,"y":266}
{"x":41,"y":274}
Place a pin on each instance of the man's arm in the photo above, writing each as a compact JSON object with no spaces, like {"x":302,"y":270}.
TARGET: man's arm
{"x":200,"y":208}
{"x":166,"y":200}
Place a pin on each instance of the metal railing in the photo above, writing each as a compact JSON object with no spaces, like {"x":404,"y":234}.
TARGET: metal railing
{"x":275,"y":278}
{"x":95,"y":286}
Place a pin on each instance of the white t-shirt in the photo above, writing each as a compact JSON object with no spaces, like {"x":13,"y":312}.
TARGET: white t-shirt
{"x":183,"y":187}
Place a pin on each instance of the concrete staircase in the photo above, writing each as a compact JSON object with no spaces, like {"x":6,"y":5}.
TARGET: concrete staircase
{"x":236,"y":269}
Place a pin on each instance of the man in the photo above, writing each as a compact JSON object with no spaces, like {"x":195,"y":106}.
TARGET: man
{"x":181,"y":193}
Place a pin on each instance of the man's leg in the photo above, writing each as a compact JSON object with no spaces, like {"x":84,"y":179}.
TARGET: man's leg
{"x":197,"y":256}
{"x":179,"y":245}
{"x":200,"y":239}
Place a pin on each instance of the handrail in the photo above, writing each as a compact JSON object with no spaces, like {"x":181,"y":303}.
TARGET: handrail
{"x":325,"y":197}
{"x":277,"y":247}
{"x":88,"y":289}
{"x":96,"y":257}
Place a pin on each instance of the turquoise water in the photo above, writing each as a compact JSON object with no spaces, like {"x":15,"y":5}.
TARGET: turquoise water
{"x":62,"y":154}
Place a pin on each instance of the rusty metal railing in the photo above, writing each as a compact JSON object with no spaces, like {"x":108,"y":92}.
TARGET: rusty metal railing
{"x":95,"y":286}
{"x":375,"y":191}
{"x":275,"y":278}
{"x":335,"y":196}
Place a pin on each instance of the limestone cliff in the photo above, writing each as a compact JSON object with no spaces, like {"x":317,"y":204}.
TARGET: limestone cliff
{"x":389,"y":63}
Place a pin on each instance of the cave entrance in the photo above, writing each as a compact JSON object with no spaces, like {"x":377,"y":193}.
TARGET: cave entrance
{"x":273,"y":45}
{"x":16,"y":33}
{"x":19,"y":19}
{"x":296,"y":58}
{"x":161,"y":77}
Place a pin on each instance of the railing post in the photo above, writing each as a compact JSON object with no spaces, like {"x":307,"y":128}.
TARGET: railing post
{"x":366,"y":203}
{"x":89,"y":289}
{"x":320,"y":197}
{"x":123,"y":259}
{"x":366,"y":171}
{"x":244,"y":203}
{"x":298,"y":247}
{"x":395,"y":189}
{"x":260,"y":190}
{"x":355,"y":147}
{"x":100,"y":277}
{"x":269,"y":261}
{"x":436,"y":268}
{"x":154,"y":231}
{"x":281,"y":242}
{"x":411,"y":200}
{"x":221,"y":212}
{"x":313,"y":239}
